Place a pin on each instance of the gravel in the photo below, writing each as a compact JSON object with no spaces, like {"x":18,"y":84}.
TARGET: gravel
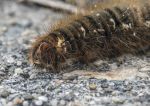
{"x":121,"y":81}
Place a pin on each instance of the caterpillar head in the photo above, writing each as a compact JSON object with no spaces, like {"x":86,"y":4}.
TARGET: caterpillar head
{"x":48,"y":52}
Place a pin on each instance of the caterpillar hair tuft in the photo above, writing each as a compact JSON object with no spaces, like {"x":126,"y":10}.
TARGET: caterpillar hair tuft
{"x":109,"y":30}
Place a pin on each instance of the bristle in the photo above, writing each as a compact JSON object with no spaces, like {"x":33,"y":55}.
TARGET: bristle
{"x":121,"y":27}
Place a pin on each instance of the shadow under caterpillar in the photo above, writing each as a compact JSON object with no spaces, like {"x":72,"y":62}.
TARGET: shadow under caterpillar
{"x":104,"y":33}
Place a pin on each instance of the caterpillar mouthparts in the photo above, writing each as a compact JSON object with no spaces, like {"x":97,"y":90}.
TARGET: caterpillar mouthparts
{"x":104,"y":33}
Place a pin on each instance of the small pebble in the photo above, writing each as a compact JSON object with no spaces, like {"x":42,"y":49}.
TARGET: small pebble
{"x":104,"y":67}
{"x":2,"y":73}
{"x":43,"y":98}
{"x":38,"y":103}
{"x":3,"y":29}
{"x":111,"y":84}
{"x":117,"y":100}
{"x":25,"y":23}
{"x":10,"y":60}
{"x":28,"y":97}
{"x":17,"y":101}
{"x":88,"y":98}
{"x":92,"y":86}
{"x":18,"y":71}
{"x":33,"y":75}
{"x":98,"y":63}
{"x":68,"y":97}
{"x":21,"y":23}
{"x":145,"y":69}
{"x":71,"y":78}
{"x":25,"y":75}
{"x":104,"y":85}
{"x":10,"y":104}
{"x":108,"y":90}
{"x":11,"y":13}
{"x":25,"y":103}
{"x":115,"y":93}
{"x":92,"y":103}
{"x":54,"y":102}
{"x":4,"y":93}
{"x":19,"y":63}
{"x":127,"y":88}
{"x":62,"y":102}
{"x":3,"y":102}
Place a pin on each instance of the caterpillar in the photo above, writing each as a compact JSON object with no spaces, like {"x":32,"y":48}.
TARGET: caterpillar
{"x":109,"y":31}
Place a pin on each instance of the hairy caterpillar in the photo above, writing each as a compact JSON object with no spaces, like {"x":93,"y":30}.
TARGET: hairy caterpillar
{"x":112,"y":31}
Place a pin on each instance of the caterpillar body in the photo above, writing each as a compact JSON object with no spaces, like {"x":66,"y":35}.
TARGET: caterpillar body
{"x":103,"y":33}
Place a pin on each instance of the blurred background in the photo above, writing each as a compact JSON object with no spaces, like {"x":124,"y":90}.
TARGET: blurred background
{"x":26,"y":19}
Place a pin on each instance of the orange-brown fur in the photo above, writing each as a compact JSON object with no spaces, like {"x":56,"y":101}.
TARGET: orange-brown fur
{"x":52,"y":50}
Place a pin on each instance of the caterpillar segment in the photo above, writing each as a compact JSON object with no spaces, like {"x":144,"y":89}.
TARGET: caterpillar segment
{"x":102,"y":34}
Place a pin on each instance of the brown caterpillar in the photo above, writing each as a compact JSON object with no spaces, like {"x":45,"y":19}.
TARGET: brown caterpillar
{"x":119,"y":28}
